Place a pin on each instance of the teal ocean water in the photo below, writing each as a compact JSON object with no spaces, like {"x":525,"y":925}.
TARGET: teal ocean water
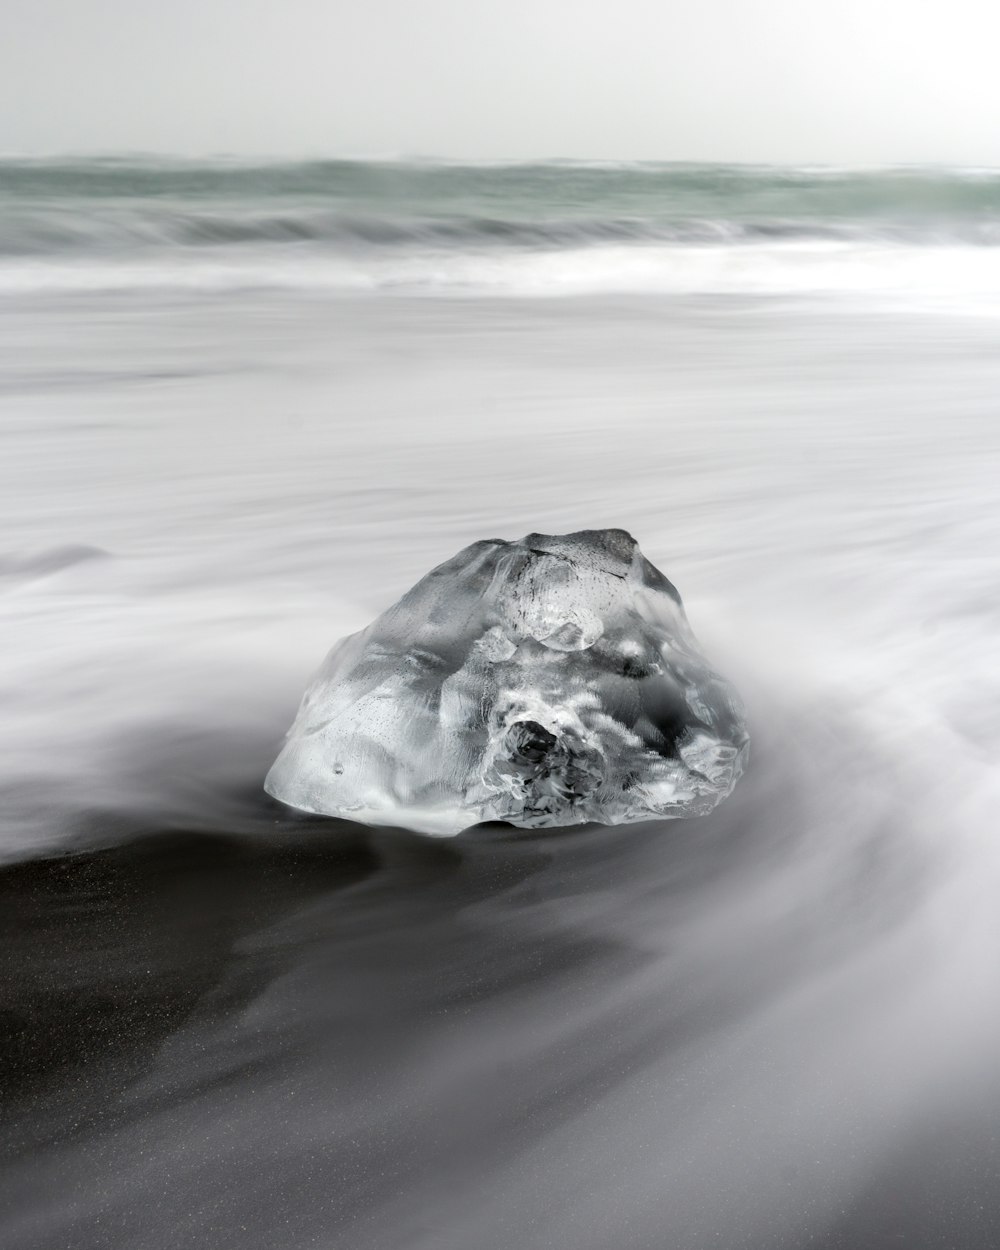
{"x":551,"y":228}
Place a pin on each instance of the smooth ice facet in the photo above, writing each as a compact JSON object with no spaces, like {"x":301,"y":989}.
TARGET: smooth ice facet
{"x":549,"y":681}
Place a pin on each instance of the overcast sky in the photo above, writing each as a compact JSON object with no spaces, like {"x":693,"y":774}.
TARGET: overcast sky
{"x":851,"y":81}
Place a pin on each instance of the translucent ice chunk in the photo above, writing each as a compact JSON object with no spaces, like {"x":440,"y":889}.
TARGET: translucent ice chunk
{"x":549,"y":681}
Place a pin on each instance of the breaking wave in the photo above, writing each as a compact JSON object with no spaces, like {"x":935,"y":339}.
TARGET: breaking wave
{"x":558,"y":228}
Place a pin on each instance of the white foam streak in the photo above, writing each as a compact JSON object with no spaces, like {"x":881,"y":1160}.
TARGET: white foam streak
{"x":958,"y":278}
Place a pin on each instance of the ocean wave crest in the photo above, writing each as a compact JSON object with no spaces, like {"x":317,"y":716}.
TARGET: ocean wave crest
{"x":543,"y":228}
{"x":58,"y":230}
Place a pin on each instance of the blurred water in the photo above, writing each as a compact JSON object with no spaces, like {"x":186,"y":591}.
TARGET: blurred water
{"x":227,"y":1026}
{"x":903,"y":237}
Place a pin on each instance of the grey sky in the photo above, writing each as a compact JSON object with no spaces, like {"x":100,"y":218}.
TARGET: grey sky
{"x":754,"y":80}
